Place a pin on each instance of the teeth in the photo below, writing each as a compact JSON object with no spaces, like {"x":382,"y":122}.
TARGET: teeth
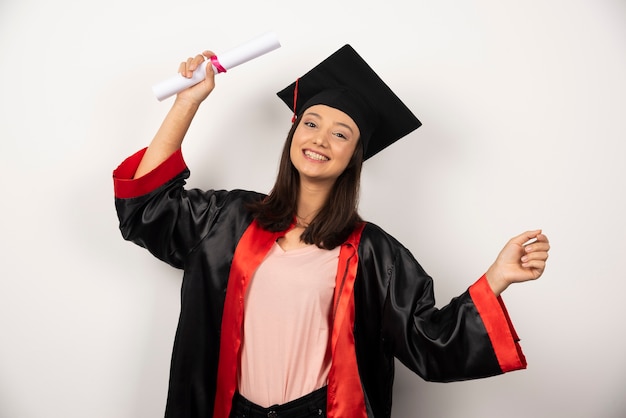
{"x":315,"y":156}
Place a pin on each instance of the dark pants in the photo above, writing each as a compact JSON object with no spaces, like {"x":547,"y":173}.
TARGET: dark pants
{"x":311,"y":405}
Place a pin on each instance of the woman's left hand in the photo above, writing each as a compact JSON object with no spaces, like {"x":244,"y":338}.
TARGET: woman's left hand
{"x":523,"y":258}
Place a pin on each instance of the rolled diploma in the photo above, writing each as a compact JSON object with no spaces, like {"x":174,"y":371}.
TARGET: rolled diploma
{"x":230,"y":59}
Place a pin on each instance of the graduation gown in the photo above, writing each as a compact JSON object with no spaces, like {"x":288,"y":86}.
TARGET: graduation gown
{"x":383,"y":308}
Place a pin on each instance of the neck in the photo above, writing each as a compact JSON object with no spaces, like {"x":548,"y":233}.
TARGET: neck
{"x":310,"y":201}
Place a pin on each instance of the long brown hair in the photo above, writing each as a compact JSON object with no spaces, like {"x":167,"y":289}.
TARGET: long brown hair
{"x":336,"y":219}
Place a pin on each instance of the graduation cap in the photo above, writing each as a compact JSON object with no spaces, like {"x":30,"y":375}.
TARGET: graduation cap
{"x":346,"y":82}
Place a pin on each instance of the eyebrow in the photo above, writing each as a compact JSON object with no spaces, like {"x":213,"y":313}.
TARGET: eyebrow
{"x":337,"y":123}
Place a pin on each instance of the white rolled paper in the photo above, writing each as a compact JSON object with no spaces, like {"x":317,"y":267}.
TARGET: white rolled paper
{"x":227,"y":60}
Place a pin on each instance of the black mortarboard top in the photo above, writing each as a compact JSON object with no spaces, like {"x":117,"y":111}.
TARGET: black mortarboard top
{"x":346,"y":82}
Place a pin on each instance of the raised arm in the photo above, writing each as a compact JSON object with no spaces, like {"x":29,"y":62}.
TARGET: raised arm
{"x":170,"y":135}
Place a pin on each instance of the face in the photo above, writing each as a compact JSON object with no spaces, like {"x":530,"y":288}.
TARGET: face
{"x":323,"y":144}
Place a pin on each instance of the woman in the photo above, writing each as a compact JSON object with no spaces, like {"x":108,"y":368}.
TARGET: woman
{"x":291,"y":304}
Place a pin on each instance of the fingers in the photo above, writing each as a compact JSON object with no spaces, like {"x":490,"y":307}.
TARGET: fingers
{"x":542,"y":238}
{"x":536,"y":255}
{"x":538,"y":248}
{"x":524,"y":237}
{"x":186,"y":68}
{"x":540,"y":245}
{"x":534,"y":259}
{"x":209,"y":68}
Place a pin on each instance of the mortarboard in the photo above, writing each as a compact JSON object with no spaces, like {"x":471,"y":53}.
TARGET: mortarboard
{"x":346,"y":82}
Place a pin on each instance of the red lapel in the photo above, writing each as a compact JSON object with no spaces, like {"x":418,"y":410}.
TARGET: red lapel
{"x":252,"y":248}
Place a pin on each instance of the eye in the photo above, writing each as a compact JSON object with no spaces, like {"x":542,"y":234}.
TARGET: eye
{"x":340,"y":135}
{"x":310,"y":124}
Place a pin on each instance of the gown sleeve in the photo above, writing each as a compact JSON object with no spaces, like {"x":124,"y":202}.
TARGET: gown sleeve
{"x":471,"y":337}
{"x":156,"y":212}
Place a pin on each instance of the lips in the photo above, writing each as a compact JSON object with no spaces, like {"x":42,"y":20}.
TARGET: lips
{"x":315,"y":156}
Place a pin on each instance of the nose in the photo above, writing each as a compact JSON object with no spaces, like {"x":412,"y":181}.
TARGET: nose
{"x":319,"y":140}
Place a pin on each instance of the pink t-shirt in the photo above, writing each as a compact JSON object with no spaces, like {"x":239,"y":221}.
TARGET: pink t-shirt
{"x":286,"y":330}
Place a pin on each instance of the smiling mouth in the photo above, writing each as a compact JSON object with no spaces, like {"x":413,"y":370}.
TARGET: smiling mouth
{"x":315,"y":156}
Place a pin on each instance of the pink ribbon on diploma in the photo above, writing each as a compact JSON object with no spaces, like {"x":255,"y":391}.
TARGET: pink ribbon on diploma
{"x":217,"y":64}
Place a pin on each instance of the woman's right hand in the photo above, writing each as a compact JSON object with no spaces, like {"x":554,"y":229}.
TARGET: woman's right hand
{"x":196,"y":94}
{"x":170,"y":135}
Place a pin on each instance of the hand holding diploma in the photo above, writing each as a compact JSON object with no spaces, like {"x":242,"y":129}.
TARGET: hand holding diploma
{"x":220,"y":64}
{"x":199,"y":86}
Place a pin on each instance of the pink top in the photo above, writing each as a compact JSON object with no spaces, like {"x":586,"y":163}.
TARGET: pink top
{"x":286,"y":330}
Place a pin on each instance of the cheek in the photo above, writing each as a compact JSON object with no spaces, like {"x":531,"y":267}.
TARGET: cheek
{"x":298,"y":139}
{"x":293,"y":149}
{"x":292,"y":153}
{"x":347,"y":151}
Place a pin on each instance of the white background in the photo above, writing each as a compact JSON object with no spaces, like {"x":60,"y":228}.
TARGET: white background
{"x":523,"y":105}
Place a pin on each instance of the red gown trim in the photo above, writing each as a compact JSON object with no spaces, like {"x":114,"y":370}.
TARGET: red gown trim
{"x":345,"y":392}
{"x":126,"y":187}
{"x":499,"y":327}
{"x":253,"y":246}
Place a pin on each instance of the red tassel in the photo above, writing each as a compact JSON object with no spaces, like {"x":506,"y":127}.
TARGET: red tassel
{"x":295,"y":100}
